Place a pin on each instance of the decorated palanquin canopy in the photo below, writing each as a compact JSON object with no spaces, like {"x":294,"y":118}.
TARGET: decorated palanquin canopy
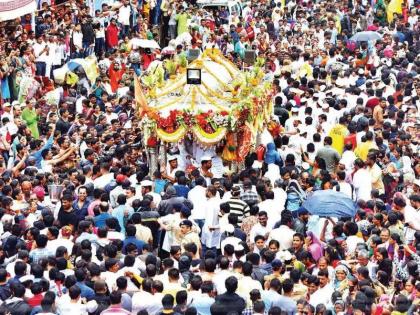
{"x":227,"y":101}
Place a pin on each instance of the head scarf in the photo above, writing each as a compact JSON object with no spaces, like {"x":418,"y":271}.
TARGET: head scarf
{"x":316,"y":247}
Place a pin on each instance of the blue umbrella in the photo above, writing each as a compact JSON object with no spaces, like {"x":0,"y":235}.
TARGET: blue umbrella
{"x":74,"y":64}
{"x":366,"y":36}
{"x":330,"y":203}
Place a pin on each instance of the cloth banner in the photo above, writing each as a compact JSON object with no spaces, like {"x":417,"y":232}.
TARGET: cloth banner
{"x":12,"y":9}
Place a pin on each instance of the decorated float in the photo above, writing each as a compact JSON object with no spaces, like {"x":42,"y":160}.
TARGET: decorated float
{"x":228,"y":107}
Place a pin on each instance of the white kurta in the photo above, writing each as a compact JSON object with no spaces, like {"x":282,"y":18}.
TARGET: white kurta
{"x":211,"y":238}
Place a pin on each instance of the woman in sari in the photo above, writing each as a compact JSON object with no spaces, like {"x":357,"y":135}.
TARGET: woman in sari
{"x":31,"y":117}
{"x":313,"y":245}
{"x":341,"y":283}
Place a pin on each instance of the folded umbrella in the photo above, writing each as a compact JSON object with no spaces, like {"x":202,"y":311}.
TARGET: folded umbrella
{"x":330,"y":203}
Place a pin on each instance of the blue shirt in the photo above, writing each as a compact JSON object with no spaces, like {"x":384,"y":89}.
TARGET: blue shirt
{"x":118,"y":213}
{"x":203,"y":304}
{"x":37,"y":155}
{"x":160,"y":185}
{"x":285,"y":303}
{"x":86,"y":291}
{"x":181,"y":190}
{"x":100,"y":219}
{"x":82,"y":211}
{"x":135,"y":241}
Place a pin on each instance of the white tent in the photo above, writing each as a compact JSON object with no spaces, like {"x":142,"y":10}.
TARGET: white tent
{"x":12,"y":9}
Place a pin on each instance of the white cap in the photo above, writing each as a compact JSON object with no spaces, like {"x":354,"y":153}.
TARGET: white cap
{"x":295,"y":109}
{"x":172,"y":157}
{"x":229,"y":228}
{"x":7,"y":104}
{"x":296,"y":91}
{"x":146,"y":183}
{"x":361,"y":72}
{"x":238,"y":247}
{"x":417,"y":182}
{"x":257,"y":164}
{"x":325,"y":106}
{"x":27,"y":278}
{"x":15,"y":103}
{"x":406,"y":98}
{"x":285,"y":255}
{"x":206,"y":158}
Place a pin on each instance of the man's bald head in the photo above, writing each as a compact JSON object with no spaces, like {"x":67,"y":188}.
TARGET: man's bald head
{"x":26,"y":187}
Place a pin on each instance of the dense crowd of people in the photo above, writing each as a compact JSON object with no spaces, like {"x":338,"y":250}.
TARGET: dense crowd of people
{"x":86,"y":228}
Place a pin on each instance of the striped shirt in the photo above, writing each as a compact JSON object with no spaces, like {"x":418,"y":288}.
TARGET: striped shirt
{"x":239,"y":208}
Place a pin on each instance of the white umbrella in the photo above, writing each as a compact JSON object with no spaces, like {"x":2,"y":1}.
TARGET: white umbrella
{"x":145,"y":43}
{"x":366,"y":36}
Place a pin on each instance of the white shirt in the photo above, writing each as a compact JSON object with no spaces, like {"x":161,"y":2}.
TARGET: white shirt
{"x":219,"y":280}
{"x":362,"y":183}
{"x":322,"y":295}
{"x":345,"y":188}
{"x":352,"y":242}
{"x":78,"y":40}
{"x":124,"y":15}
{"x":114,"y":195}
{"x":111,"y":279}
{"x":79,"y":105}
{"x":246,"y":285}
{"x":229,"y":240}
{"x":258,"y":229}
{"x":280,"y":197}
{"x":54,"y":244}
{"x":198,"y":198}
{"x":40,"y":54}
{"x":103,"y":180}
{"x":71,"y":308}
{"x":211,"y":238}
{"x":273,"y":209}
{"x":53,"y":53}
{"x":217,"y":167}
{"x":145,"y":301}
{"x":284,"y":235}
{"x":110,"y":117}
{"x":10,"y":268}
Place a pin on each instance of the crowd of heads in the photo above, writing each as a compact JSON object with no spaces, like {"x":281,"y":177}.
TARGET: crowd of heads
{"x":87,"y":226}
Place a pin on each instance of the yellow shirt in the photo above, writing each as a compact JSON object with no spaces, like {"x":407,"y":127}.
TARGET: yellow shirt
{"x":338,"y":133}
{"x":363,"y":148}
{"x":376,"y":175}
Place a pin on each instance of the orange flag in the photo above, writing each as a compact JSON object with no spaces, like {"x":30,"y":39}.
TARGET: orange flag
{"x":141,"y":101}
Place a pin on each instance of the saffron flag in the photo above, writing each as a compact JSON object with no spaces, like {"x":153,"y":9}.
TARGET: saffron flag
{"x":12,"y":9}
{"x":141,"y":101}
{"x":394,"y":6}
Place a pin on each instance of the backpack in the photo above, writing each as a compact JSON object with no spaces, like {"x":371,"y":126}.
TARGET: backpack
{"x":294,"y":199}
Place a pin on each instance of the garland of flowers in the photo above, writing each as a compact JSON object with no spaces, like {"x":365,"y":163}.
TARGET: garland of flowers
{"x":218,"y":95}
{"x":212,"y":102}
{"x":174,"y":136}
{"x":217,"y":79}
{"x":248,"y":105}
{"x":209,"y":138}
